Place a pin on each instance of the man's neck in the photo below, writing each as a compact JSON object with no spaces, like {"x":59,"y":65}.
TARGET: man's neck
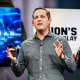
{"x":42,"y":34}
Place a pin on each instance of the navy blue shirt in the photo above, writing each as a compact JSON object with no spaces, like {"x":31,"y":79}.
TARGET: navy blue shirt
{"x":41,"y":60}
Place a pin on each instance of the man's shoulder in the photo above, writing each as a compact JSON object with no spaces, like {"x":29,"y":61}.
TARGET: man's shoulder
{"x":27,"y":40}
{"x":58,"y":37}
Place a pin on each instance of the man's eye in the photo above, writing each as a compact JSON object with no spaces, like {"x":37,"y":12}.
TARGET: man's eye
{"x":36,"y":17}
{"x":42,"y":16}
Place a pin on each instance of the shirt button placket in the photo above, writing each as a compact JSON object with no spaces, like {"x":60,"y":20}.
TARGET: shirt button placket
{"x":40,"y":77}
{"x":41,"y":48}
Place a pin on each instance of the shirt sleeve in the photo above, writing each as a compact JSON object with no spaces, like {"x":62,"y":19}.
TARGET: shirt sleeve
{"x":69,"y":62}
{"x":18,"y":67}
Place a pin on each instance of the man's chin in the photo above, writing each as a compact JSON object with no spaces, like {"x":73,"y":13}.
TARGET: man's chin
{"x":40,"y":30}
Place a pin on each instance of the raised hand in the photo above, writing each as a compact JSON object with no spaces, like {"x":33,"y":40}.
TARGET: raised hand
{"x":8,"y":51}
{"x":59,"y":49}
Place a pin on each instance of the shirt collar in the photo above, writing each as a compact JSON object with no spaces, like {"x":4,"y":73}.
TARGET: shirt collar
{"x":48,"y":35}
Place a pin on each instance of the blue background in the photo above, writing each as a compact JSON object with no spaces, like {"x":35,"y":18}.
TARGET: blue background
{"x":10,"y":32}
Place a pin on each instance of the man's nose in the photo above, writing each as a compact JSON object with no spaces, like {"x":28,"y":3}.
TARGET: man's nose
{"x":39,"y":18}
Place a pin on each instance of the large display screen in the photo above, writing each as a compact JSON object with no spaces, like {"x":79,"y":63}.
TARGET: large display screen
{"x":10,"y":32}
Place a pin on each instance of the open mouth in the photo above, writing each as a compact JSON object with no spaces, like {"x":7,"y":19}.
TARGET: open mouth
{"x":39,"y":24}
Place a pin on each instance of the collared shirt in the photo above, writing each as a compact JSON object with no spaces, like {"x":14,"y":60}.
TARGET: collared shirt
{"x":41,"y":60}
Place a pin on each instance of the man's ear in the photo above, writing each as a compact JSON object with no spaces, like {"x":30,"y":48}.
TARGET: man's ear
{"x":32,"y":22}
{"x":50,"y":20}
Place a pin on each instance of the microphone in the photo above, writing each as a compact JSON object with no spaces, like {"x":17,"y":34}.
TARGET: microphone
{"x":41,"y":44}
{"x":11,"y":45}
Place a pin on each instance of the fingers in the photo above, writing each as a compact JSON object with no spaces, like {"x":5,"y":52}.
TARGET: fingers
{"x":54,"y":45}
{"x":16,"y":49}
{"x":59,"y":44}
{"x":9,"y":54}
{"x":59,"y":47}
{"x":8,"y":51}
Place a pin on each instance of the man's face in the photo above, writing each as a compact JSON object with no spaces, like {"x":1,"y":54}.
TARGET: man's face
{"x":40,"y":20}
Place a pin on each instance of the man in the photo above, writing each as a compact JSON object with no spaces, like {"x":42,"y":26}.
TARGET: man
{"x":46,"y":55}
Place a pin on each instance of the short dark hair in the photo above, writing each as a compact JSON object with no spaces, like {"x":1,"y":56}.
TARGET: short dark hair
{"x":47,"y":12}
